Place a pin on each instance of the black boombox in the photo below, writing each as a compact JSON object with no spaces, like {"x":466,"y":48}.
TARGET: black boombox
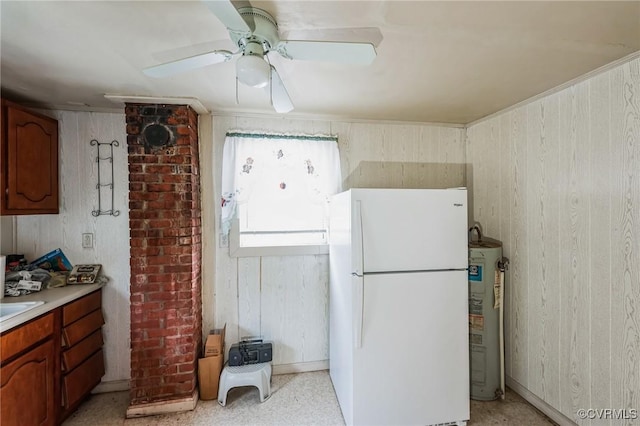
{"x":250,"y":352}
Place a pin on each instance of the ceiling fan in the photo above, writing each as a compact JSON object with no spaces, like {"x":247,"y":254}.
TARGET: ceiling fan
{"x":255,"y":32}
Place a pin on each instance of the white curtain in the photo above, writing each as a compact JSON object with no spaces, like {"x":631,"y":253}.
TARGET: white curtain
{"x":277,"y":169}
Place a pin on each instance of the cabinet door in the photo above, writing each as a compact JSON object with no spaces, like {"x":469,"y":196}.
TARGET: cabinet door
{"x":27,"y":388}
{"x":32,"y":163}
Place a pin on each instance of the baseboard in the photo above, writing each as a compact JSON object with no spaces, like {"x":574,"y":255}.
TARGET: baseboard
{"x":163,"y":407}
{"x":112,"y":386}
{"x":300,"y":367}
{"x":534,"y":400}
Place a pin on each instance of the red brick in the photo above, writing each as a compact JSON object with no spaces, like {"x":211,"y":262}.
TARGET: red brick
{"x":177,"y":268}
{"x":146,"y":251}
{"x":145,"y":362}
{"x":170,"y":196}
{"x":152,"y":343}
{"x":136,"y":205}
{"x":160,"y":169}
{"x":159,"y":278}
{"x":136,"y":186}
{"x":160,"y":187}
{"x":150,"y":324}
{"x":185,"y":368}
{"x":185,"y":241}
{"x":162,"y":332}
{"x":177,"y":178}
{"x":133,"y":145}
{"x":177,"y":304}
{"x":160,"y":223}
{"x":146,"y":196}
{"x":147,"y":270}
{"x":162,"y":296}
{"x":179,"y":378}
{"x":138,"y":261}
{"x":156,"y":242}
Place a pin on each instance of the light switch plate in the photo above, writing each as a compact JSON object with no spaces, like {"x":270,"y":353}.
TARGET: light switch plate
{"x":87,"y":240}
{"x":224,"y":241}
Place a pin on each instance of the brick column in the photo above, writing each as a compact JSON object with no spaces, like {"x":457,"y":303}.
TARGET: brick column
{"x":166,"y":252}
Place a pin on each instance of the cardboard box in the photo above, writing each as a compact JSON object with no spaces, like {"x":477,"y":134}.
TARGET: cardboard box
{"x":214,"y":344}
{"x":210,"y":367}
{"x":209,"y":370}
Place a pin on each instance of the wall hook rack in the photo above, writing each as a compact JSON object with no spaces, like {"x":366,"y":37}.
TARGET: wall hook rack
{"x":102,"y":184}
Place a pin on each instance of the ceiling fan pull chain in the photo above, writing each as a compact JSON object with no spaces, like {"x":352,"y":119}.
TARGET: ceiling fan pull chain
{"x":271,"y":87}
{"x":266,"y":57}
{"x":237,"y":100}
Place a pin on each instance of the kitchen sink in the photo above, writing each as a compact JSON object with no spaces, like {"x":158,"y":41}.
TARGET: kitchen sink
{"x":9,"y":310}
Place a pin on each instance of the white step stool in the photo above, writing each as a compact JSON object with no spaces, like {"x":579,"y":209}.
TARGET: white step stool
{"x":258,"y":375}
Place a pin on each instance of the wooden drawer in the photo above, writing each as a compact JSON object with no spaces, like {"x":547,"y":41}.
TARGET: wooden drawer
{"x":80,"y":329}
{"x":73,"y":356}
{"x":24,"y":336}
{"x":76,"y":310}
{"x":80,"y":381}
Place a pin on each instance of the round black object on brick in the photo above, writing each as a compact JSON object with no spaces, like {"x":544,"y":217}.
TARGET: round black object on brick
{"x":156,"y":135}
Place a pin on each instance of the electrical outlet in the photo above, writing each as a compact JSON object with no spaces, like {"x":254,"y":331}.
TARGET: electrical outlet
{"x":87,"y":240}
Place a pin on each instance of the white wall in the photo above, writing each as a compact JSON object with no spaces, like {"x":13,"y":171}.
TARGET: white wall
{"x":40,"y":234}
{"x":285,"y":298}
{"x":558,"y":181}
{"x":6,"y":235}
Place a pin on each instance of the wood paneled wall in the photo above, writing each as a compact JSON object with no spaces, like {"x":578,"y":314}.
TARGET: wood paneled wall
{"x":285,"y":298}
{"x":558,"y":181}
{"x":39,"y":234}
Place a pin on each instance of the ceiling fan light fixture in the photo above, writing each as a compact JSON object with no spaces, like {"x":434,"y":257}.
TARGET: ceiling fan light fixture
{"x":253,"y":70}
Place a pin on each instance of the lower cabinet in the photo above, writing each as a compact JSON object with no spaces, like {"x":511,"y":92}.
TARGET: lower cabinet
{"x":49,"y":365}
{"x":28,"y":388}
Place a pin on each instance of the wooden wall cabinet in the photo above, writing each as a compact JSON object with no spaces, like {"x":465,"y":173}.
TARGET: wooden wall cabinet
{"x":29,"y":158}
{"x":50,"y":364}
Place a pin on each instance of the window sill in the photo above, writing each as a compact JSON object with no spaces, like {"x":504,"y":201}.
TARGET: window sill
{"x":236,"y":251}
{"x":278,"y":251}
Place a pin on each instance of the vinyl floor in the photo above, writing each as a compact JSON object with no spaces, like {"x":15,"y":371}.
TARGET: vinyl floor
{"x":296,"y":399}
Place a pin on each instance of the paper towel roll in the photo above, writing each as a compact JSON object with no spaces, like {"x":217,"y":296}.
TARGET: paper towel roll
{"x":3,"y":260}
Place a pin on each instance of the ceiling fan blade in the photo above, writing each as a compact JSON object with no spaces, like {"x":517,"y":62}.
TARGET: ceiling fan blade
{"x":228,"y":15}
{"x":279,"y":97}
{"x":186,"y":64}
{"x":371,"y":35}
{"x":329,"y":51}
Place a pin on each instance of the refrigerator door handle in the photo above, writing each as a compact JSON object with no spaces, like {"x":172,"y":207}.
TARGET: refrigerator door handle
{"x":358,"y":290}
{"x":358,"y":320}
{"x":358,"y":243}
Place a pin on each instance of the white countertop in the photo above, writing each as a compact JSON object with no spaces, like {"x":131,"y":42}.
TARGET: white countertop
{"x":52,"y":297}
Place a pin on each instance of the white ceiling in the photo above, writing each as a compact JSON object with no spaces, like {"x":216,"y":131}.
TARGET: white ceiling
{"x":446,"y":62}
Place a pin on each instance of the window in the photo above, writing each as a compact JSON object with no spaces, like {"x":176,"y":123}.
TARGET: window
{"x":278,"y":188}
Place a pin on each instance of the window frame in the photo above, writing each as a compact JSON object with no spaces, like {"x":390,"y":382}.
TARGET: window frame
{"x":233,"y":236}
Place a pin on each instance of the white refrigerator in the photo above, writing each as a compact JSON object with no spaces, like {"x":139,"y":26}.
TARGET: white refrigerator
{"x":399,"y":351}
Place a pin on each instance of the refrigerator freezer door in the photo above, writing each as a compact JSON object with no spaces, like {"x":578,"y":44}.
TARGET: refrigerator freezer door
{"x":413,"y":366}
{"x":412,"y":229}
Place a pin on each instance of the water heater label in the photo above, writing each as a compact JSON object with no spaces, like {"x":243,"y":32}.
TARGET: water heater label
{"x":475,"y":305}
{"x":476,"y":322}
{"x":475,"y":273}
